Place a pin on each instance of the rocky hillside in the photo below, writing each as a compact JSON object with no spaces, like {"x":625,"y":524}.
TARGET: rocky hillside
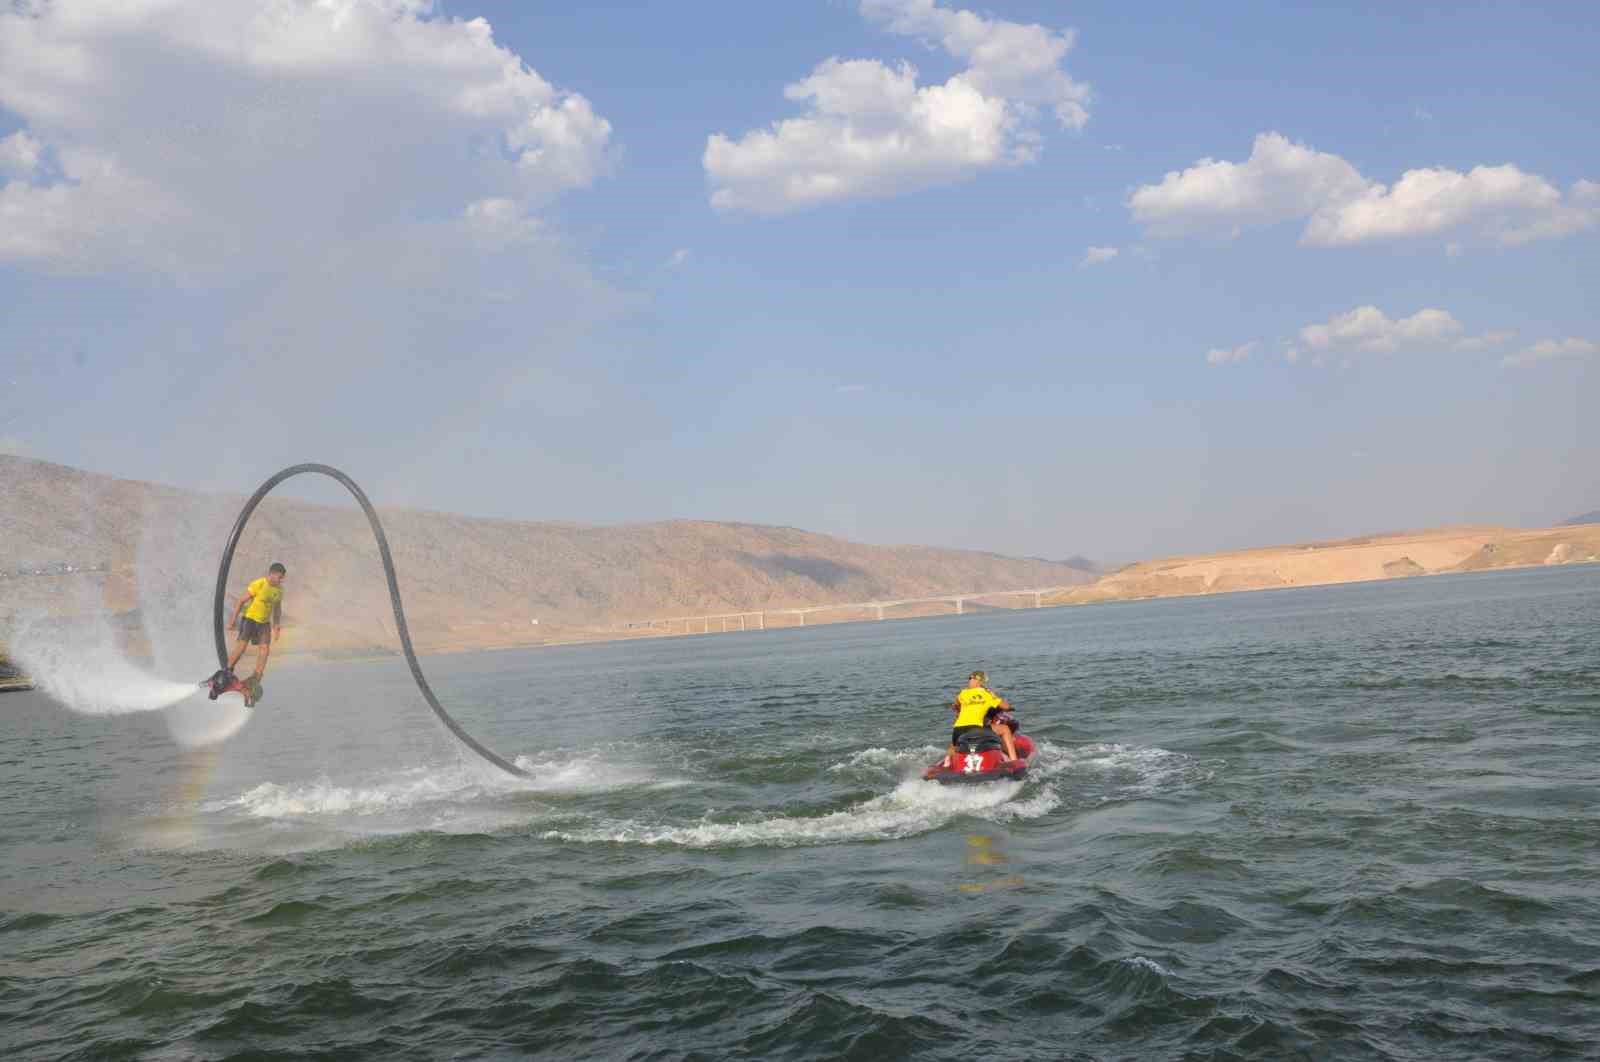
{"x":466,"y":581}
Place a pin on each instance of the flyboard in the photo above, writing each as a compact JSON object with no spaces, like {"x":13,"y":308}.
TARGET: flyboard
{"x":225,"y":681}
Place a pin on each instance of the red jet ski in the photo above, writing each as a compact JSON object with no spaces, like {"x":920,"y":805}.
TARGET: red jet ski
{"x":981,"y":757}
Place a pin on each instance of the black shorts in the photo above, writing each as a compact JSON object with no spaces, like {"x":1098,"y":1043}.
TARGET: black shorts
{"x":955,"y":735}
{"x":255,"y":633}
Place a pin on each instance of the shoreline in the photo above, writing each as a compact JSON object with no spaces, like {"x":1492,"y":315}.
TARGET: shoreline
{"x":1362,"y":559}
{"x":312,"y":656}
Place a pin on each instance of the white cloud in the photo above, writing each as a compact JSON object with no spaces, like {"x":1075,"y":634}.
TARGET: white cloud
{"x":20,"y":155}
{"x":1548,"y":349}
{"x":1500,"y":203}
{"x":1282,"y":180}
{"x":1095,"y":255}
{"x":679,"y":257}
{"x":1279,"y":180}
{"x":344,"y":196}
{"x":191,"y":135}
{"x":1486,"y":341}
{"x":871,"y":130}
{"x":1368,"y":330}
{"x":1224,"y":356}
{"x":499,"y":222}
{"x":1011,"y":60}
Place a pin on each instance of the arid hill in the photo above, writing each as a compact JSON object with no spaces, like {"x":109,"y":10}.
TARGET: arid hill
{"x":1389,"y":556}
{"x":73,"y":543}
{"x":467,"y":582}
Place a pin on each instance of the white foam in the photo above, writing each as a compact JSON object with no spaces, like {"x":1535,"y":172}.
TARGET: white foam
{"x":418,"y":787}
{"x":1148,"y":964}
{"x":913,"y":807}
{"x":591,"y":772}
{"x":894,"y":761}
{"x":1144,"y":769}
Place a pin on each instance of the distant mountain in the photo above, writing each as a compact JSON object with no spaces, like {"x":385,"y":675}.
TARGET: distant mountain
{"x":466,"y":581}
{"x":1592,"y":517}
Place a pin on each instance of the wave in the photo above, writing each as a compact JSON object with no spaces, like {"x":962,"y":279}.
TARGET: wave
{"x":588,"y":773}
{"x":439,"y":796}
{"x":464,"y":797}
{"x":1135,"y":770}
{"x":897,"y":761}
{"x":913,"y":807}
{"x":270,"y":800}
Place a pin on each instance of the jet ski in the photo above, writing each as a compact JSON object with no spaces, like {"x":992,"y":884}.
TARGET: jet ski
{"x":981,"y":757}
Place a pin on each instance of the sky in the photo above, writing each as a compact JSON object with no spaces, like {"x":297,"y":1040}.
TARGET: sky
{"x":1039,"y":278}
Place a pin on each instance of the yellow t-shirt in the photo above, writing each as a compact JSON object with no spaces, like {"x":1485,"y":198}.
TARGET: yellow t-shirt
{"x":975,"y":704}
{"x":264,"y":598}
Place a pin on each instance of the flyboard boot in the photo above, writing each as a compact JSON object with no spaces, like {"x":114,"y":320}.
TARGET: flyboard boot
{"x":222,"y":681}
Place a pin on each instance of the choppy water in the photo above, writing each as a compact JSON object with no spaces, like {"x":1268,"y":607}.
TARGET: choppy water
{"x":1349,"y":823}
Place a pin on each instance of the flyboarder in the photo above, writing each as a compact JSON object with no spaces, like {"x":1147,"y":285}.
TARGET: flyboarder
{"x":258,"y":618}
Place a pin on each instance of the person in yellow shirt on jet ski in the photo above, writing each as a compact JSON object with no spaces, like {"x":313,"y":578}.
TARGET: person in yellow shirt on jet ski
{"x":972,"y":705}
{"x":262,"y":609}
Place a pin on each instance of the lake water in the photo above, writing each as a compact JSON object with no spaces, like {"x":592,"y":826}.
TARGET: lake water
{"x":1359,"y":822}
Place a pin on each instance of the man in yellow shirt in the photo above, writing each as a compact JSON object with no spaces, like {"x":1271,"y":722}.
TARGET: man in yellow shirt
{"x":972,"y":705}
{"x":262,"y":617}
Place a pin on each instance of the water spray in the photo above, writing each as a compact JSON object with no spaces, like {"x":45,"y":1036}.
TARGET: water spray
{"x":394,"y":598}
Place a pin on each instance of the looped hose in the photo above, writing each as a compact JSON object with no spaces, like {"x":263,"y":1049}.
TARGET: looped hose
{"x":394,"y":598}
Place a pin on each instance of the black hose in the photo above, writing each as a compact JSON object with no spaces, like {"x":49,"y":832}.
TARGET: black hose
{"x":394,"y":597}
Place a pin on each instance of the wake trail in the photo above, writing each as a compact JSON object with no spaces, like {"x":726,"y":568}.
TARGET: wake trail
{"x":914,"y":806}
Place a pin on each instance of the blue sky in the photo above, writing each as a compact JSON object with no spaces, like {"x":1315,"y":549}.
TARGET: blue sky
{"x":1352,"y":286}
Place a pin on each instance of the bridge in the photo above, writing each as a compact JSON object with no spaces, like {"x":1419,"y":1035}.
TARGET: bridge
{"x":767,"y":619}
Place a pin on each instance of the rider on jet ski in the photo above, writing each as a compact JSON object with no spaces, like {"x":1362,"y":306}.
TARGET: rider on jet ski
{"x":973,"y":706}
{"x":1002,"y":722}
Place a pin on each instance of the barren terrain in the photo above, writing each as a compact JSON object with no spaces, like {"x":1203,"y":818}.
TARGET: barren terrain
{"x":1387,"y":556}
{"x":150,"y":553}
{"x":467,"y":582}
